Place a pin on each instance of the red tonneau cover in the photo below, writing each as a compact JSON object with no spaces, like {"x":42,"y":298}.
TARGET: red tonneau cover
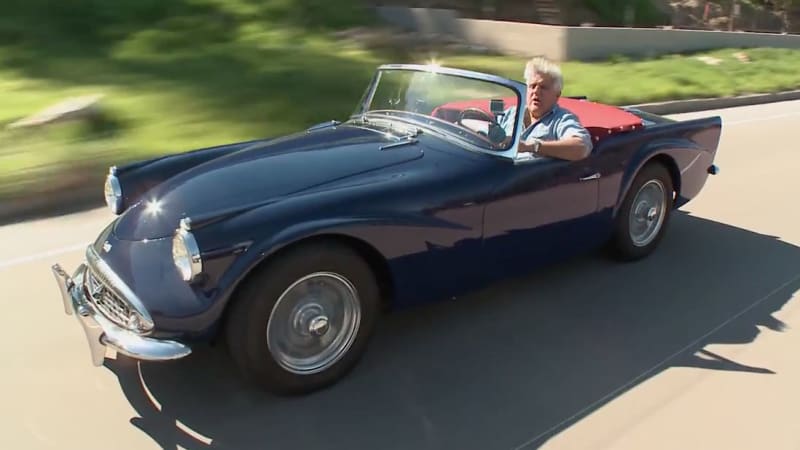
{"x":601,"y":120}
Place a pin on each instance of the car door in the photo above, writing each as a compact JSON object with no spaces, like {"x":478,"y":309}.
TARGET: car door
{"x":542,"y":210}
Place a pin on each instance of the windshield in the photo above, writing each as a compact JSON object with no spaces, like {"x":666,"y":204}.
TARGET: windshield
{"x":477,"y":111}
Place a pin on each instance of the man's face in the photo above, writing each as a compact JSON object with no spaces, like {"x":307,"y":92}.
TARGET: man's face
{"x":542,"y":94}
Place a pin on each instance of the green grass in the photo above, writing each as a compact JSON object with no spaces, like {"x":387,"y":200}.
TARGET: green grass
{"x":193,"y":73}
{"x":622,"y":81}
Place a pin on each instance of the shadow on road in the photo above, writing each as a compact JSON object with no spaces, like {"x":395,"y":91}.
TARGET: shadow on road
{"x":500,"y":367}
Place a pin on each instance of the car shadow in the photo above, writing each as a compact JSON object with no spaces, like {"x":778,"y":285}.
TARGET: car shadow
{"x":499,"y":367}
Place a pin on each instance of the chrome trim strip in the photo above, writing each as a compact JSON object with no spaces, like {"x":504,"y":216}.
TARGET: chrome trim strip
{"x":689,"y":166}
{"x":101,"y":333}
{"x":117,"y":286}
{"x":593,"y":176}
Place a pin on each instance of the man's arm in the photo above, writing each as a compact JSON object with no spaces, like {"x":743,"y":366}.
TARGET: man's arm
{"x":572,"y":148}
{"x":573,"y":141}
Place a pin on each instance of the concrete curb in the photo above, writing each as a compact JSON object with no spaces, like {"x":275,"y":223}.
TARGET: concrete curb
{"x":706,"y":104}
{"x":89,"y":195}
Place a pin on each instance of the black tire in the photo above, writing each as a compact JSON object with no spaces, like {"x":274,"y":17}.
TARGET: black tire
{"x":247,"y":322}
{"x":622,"y":244}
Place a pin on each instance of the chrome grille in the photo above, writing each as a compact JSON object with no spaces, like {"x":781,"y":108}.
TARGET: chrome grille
{"x":114,"y":308}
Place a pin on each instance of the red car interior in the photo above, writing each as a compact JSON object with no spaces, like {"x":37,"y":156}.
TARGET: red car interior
{"x":600,"y":120}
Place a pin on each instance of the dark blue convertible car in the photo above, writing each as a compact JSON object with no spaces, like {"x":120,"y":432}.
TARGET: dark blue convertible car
{"x":289,"y":248}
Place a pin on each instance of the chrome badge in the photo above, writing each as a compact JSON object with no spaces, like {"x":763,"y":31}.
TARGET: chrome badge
{"x":106,"y":246}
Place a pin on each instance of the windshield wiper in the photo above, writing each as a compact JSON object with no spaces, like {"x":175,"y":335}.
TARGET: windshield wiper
{"x":408,"y":139}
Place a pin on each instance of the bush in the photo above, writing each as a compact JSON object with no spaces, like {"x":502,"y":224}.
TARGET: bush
{"x":614,"y":12}
{"x":42,"y":22}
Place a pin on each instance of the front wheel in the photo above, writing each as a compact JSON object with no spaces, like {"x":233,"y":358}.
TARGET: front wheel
{"x":645,"y":212}
{"x":302,"y":321}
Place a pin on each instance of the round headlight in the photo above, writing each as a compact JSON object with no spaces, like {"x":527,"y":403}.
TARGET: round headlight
{"x":186,"y":254}
{"x":113,"y":191}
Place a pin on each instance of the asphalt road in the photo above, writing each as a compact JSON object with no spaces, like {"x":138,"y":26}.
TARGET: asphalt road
{"x":695,"y":347}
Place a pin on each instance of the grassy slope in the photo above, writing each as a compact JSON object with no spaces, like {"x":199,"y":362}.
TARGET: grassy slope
{"x":670,"y":77}
{"x":201,"y":72}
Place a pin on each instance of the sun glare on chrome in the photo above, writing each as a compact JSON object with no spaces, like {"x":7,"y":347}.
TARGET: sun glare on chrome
{"x":153,"y":207}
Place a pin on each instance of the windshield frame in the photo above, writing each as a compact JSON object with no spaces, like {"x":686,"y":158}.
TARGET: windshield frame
{"x":515,"y":86}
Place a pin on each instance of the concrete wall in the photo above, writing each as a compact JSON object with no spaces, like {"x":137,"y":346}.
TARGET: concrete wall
{"x":516,"y":38}
{"x":575,"y":43}
{"x":423,"y":20}
{"x":593,"y":43}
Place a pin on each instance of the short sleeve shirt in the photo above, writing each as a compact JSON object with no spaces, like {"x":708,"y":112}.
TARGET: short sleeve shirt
{"x":556,"y":124}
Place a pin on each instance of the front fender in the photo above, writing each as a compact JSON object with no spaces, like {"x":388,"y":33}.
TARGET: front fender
{"x":238,"y":244}
{"x":136,"y":178}
{"x":235,"y":269}
{"x":400,"y":240}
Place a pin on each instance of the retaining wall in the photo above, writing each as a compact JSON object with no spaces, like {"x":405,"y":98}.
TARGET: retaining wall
{"x":575,"y":43}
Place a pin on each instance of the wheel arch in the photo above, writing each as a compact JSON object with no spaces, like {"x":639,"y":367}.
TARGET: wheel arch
{"x":664,"y":160}
{"x":374,"y":258}
{"x":371,"y":255}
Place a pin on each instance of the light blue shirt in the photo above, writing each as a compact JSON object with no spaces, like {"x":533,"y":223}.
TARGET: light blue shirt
{"x":556,"y":124}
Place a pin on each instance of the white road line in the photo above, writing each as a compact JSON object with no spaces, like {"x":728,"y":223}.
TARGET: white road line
{"x":37,"y":256}
{"x":654,"y":368}
{"x":758,"y":119}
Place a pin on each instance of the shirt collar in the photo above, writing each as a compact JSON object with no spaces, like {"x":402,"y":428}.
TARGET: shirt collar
{"x":548,"y":113}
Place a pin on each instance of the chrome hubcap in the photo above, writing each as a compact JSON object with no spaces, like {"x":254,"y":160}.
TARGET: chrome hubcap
{"x":647,"y":214}
{"x":318,"y":326}
{"x":313,"y":323}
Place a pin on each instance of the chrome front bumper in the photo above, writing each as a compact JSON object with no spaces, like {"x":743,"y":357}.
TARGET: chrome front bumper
{"x":102,"y":333}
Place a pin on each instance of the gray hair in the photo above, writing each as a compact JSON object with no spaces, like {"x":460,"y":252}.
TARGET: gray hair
{"x":544,"y":66}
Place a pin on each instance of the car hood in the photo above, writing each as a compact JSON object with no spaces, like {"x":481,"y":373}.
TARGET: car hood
{"x":259,"y":174}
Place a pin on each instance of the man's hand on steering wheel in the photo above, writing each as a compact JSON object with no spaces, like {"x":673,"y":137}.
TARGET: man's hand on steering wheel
{"x":494,"y":134}
{"x":481,"y":115}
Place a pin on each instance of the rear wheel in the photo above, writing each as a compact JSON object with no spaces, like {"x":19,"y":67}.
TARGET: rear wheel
{"x":301,"y":322}
{"x":644,"y":215}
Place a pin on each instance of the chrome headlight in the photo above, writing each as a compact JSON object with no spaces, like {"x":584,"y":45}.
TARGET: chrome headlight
{"x":186,"y":253}
{"x":113,"y":191}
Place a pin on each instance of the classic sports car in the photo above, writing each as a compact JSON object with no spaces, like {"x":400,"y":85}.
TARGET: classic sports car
{"x":289,"y":248}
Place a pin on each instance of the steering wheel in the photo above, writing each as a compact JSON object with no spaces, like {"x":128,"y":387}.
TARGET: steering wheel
{"x":495,"y":134}
{"x":481,"y":114}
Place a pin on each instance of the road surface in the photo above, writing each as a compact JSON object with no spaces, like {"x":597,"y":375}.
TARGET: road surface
{"x":693,"y":348}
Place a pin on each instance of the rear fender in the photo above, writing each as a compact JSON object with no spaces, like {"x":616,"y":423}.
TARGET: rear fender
{"x":687,"y":149}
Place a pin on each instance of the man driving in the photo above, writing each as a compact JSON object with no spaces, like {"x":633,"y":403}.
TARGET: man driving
{"x":548,"y":129}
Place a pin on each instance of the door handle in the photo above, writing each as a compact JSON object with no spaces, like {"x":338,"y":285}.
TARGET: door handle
{"x":593,"y":176}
